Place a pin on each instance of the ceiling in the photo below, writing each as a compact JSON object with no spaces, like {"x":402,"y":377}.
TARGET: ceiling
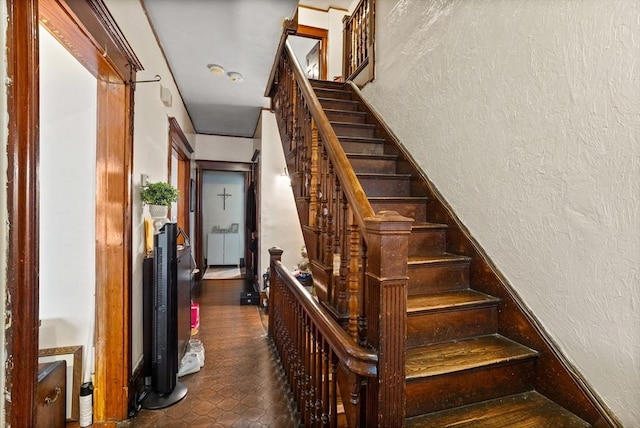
{"x":240,"y":36}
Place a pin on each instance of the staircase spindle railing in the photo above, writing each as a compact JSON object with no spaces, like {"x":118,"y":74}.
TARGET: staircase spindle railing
{"x":358,"y":38}
{"x":362,"y":287}
{"x":313,"y":348}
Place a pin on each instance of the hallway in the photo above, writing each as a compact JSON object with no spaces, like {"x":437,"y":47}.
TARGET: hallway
{"x":239,"y":385}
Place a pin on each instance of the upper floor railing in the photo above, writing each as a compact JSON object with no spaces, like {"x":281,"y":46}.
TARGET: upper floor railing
{"x":358,"y":40}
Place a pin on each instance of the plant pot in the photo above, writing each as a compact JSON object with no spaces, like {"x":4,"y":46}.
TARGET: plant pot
{"x":158,"y":211}
{"x":159,"y":215}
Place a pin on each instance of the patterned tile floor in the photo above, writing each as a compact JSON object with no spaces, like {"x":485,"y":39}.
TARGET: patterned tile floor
{"x":240,"y":384}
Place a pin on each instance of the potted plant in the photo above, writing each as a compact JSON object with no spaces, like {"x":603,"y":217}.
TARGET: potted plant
{"x":159,"y":196}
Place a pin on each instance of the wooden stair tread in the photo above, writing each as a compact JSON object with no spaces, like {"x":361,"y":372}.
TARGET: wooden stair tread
{"x":456,"y":299}
{"x":526,"y":410}
{"x":353,"y":124}
{"x":382,"y":175}
{"x":346,"y":112}
{"x":428,"y":226}
{"x":327,"y":92}
{"x":356,"y":139}
{"x":339,"y":100}
{"x":372,"y":156}
{"x":401,"y":199}
{"x":437,"y":258}
{"x":324,"y":83}
{"x":466,"y":354}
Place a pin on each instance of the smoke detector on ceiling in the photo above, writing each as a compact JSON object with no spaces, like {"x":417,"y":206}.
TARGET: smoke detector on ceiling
{"x":235,"y":76}
{"x":216,"y":69}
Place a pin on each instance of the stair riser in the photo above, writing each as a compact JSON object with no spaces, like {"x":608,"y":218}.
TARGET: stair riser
{"x":386,"y":187}
{"x":333,"y":94}
{"x":328,"y":84}
{"x":370,"y":148}
{"x":416,"y":211}
{"x":437,"y":277}
{"x":373,"y":166}
{"x":339,"y":104}
{"x":345,"y":116}
{"x":442,"y":326}
{"x":427,"y":241}
{"x":471,"y":386}
{"x":348,"y":130}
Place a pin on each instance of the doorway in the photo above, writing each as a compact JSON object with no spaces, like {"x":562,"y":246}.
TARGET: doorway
{"x":309,"y":45}
{"x":223,"y":239}
{"x":223,"y":219}
{"x":68,"y":105}
{"x":114,"y":65}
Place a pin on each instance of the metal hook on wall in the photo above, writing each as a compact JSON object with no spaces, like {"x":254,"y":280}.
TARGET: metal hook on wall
{"x":156,"y":78}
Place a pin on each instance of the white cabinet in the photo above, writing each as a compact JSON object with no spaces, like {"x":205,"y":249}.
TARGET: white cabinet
{"x":222,"y":249}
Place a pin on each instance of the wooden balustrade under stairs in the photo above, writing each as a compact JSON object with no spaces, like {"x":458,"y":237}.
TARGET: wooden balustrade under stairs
{"x":453,"y":343}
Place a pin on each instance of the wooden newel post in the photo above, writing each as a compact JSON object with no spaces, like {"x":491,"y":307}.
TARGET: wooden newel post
{"x":275,"y":256}
{"x":386,"y":290}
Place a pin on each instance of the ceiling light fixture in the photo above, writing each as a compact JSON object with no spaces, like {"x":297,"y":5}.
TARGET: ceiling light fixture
{"x":216,"y":69}
{"x":235,"y":76}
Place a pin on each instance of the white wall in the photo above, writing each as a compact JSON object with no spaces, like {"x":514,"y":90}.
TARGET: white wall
{"x":526,"y":117}
{"x":150,"y":139}
{"x":279,"y":224}
{"x":223,"y":148}
{"x":4,"y":227}
{"x":67,"y":171}
{"x":330,"y":20}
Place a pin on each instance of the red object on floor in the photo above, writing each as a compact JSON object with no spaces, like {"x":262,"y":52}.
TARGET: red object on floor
{"x":195,"y":316}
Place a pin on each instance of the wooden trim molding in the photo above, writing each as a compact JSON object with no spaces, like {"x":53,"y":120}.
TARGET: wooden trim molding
{"x":178,"y":142}
{"x":21,"y":307}
{"x":113,"y":252}
{"x":88,"y":37}
{"x":77,"y":25}
{"x":223,"y":166}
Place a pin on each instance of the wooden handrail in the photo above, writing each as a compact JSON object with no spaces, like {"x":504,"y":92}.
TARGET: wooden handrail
{"x":351,"y":185}
{"x":357,"y":359}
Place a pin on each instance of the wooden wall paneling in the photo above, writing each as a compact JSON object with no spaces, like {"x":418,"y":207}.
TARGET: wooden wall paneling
{"x":199,"y":253}
{"x":21,"y":310}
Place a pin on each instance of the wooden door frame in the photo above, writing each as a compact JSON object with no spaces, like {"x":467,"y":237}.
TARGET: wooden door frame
{"x":78,"y":26}
{"x":321,"y":34}
{"x":201,"y":167}
{"x":178,"y":142}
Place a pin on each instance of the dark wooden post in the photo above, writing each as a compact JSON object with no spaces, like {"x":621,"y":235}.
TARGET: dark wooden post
{"x":388,"y":246}
{"x":276,"y":256}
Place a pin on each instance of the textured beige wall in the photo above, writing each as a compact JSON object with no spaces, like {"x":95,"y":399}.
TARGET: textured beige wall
{"x":526,"y":116}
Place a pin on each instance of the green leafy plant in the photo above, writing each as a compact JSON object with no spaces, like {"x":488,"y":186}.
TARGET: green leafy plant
{"x":160,"y":193}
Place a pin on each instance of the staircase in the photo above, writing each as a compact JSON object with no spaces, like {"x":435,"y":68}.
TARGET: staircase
{"x":460,"y":371}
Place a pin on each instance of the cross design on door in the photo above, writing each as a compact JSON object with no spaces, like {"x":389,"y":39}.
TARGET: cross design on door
{"x":224,"y":196}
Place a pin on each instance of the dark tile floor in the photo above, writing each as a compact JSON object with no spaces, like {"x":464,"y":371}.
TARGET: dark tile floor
{"x":240,"y":384}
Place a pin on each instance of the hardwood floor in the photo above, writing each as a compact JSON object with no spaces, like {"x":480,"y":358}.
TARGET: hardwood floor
{"x":240,"y":384}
